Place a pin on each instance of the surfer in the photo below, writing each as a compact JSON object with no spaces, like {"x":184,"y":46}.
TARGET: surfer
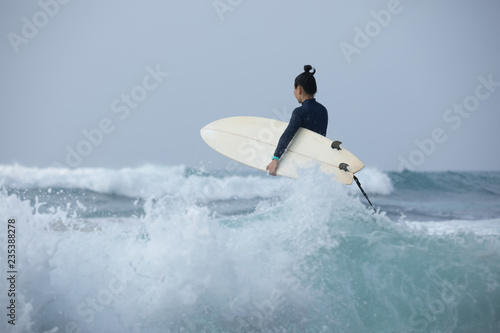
{"x":311,"y":115}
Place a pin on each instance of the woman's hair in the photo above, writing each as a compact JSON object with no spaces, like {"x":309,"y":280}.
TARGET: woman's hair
{"x":306,"y":80}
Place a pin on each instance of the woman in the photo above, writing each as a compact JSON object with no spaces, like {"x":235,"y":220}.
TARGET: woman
{"x":311,"y":115}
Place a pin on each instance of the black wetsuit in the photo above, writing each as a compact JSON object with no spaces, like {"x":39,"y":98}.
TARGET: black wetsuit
{"x":311,"y":115}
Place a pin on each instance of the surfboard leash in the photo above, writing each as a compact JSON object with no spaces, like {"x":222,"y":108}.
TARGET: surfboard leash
{"x":362,"y":191}
{"x":344,"y":166}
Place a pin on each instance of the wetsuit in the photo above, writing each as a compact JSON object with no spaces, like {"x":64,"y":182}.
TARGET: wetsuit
{"x":311,"y":115}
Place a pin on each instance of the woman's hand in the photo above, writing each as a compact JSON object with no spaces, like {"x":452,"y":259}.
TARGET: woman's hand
{"x":272,"y":167}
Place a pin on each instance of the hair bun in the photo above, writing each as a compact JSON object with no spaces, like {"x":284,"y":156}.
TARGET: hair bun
{"x":307,"y":69}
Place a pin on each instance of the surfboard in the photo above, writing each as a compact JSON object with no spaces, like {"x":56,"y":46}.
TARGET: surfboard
{"x":253,"y":140}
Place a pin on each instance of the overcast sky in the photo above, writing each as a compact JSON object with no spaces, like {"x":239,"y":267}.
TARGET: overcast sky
{"x":122,"y":83}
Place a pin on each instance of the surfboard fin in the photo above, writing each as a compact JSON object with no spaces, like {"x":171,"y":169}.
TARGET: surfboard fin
{"x":343,"y":166}
{"x":336,"y":145}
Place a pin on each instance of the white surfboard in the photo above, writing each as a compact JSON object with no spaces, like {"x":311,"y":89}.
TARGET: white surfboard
{"x":253,"y":140}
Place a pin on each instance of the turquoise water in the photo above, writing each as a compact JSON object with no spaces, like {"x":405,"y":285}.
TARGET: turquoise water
{"x":171,"y":249}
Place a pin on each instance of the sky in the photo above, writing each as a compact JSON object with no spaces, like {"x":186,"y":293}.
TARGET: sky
{"x":409,"y":84}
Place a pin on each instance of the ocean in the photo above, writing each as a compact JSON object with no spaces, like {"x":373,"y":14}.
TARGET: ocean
{"x":175,"y":249}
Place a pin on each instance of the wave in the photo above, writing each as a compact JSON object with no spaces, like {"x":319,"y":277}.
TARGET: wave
{"x":100,"y":192}
{"x":481,"y":183}
{"x":133,"y":182}
{"x":478,"y":227}
{"x":374,"y":181}
{"x":316,"y":260}
{"x":152,"y":180}
{"x":441,"y":196}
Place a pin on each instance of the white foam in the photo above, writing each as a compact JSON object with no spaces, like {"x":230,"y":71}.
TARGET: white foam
{"x":479,"y":227}
{"x":178,"y":264}
{"x":170,"y":260}
{"x":144,"y":182}
{"x":373,"y":181}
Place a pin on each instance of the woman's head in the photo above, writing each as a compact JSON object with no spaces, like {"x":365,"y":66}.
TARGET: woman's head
{"x":306,"y":81}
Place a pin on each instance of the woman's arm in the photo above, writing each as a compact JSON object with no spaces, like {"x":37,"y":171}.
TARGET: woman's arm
{"x":286,"y":137}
